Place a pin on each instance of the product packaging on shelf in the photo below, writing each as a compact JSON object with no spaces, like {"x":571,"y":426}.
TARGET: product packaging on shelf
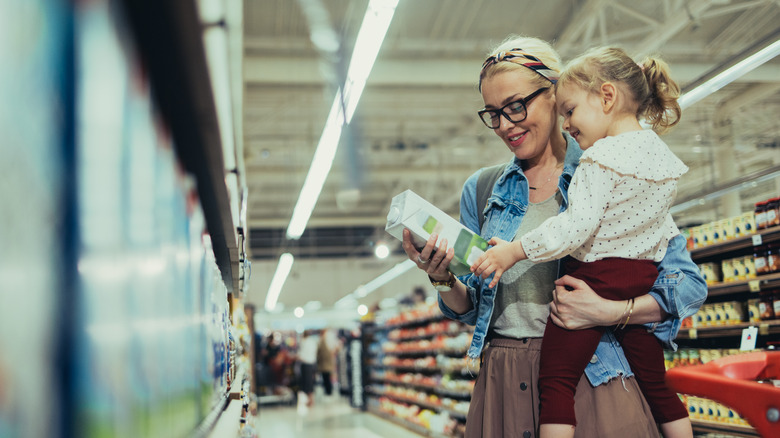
{"x":409,"y":210}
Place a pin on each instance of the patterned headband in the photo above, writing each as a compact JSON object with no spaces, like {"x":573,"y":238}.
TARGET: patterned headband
{"x":518,"y":56}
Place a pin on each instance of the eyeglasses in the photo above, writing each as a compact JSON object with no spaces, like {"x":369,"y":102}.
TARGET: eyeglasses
{"x":515,"y":111}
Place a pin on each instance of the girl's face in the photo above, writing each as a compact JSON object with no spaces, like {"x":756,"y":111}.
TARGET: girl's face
{"x":582,"y":114}
{"x":529,"y":138}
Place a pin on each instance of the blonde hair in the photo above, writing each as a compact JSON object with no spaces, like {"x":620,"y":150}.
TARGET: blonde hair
{"x":534,"y":46}
{"x":649,"y":84}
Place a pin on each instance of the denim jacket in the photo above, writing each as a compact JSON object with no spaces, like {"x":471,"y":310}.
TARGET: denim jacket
{"x":680,"y":290}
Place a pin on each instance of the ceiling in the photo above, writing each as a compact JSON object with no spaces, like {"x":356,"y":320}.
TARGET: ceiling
{"x":416,"y":126}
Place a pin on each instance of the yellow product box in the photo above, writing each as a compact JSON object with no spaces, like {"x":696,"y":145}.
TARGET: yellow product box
{"x":750,"y":267}
{"x":727,"y":270}
{"x":693,"y":407}
{"x":710,"y":316}
{"x":705,"y":273}
{"x":710,"y":271}
{"x":700,"y":318}
{"x":754,"y":314}
{"x":736,"y":227}
{"x":710,"y":410}
{"x":720,"y":314}
{"x":739,"y":268}
{"x":734,"y":312}
{"x":717,"y":232}
{"x":748,"y":223}
{"x":707,"y":234}
{"x":698,"y":241}
{"x":727,"y":229}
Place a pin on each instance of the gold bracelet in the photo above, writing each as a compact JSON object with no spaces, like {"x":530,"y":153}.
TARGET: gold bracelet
{"x":620,"y":320}
{"x":630,"y":311}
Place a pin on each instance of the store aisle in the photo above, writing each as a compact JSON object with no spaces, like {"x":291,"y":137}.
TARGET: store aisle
{"x":328,"y":418}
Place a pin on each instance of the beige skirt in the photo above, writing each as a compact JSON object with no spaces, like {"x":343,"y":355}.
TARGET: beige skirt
{"x":505,"y":402}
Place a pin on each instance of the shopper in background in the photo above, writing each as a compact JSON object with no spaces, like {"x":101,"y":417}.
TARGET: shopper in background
{"x":615,"y":229}
{"x":510,"y":318}
{"x":307,"y":357}
{"x":326,"y":362}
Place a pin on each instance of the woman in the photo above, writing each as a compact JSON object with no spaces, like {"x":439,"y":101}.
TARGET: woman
{"x":326,"y":362}
{"x":516,"y":85}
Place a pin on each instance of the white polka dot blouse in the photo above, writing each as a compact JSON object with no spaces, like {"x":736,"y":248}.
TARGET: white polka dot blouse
{"x":619,"y":201}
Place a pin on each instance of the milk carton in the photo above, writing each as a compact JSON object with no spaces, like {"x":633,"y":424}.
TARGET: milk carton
{"x":409,"y":210}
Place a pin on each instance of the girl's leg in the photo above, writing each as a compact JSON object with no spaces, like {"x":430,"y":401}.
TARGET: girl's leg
{"x":556,"y":431}
{"x":646,"y":357}
{"x":565,"y":353}
{"x":678,"y":428}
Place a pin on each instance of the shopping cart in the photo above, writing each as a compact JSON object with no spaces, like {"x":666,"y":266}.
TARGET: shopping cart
{"x":734,"y":382}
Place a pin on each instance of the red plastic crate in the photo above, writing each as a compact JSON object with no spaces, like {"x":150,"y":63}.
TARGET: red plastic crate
{"x":733,"y":381}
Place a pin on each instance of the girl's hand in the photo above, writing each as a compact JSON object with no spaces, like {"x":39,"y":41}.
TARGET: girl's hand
{"x":431,"y":259}
{"x":496,"y":260}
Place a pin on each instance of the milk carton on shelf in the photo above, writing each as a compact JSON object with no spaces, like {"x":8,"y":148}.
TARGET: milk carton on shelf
{"x":409,"y":210}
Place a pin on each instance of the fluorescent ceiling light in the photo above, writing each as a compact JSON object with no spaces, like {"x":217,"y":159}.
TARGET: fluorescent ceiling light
{"x":730,"y":74}
{"x":383,"y":279}
{"x":742,"y":183}
{"x":280,"y":276}
{"x":369,"y":39}
{"x":318,"y":172}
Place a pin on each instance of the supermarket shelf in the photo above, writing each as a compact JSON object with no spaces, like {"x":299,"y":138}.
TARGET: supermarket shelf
{"x":740,"y":243}
{"x":732,"y":430}
{"x":205,"y":427}
{"x":437,"y":408}
{"x":427,"y":351}
{"x":170,"y":41}
{"x":764,"y":328}
{"x":416,"y":428}
{"x":448,"y":370}
{"x":423,"y":387}
{"x":468,"y":330}
{"x":410,"y":323}
{"x":762,"y":282}
{"x":229,"y":422}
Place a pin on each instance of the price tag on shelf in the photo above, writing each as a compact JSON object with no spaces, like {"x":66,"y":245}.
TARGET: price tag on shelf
{"x":692,"y":334}
{"x":754,"y":285}
{"x":763,"y":329}
{"x":757,"y":240}
{"x":749,"y":336}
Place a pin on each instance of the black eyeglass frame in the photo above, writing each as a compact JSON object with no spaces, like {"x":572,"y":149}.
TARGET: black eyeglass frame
{"x":524,"y":102}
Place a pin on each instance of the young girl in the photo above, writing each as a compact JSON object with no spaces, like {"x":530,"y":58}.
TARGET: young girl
{"x":616,"y":228}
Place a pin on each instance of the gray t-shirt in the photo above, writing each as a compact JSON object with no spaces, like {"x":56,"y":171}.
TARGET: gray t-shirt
{"x":525,"y":290}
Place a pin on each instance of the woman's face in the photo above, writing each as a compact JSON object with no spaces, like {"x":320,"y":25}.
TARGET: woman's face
{"x":530,"y":138}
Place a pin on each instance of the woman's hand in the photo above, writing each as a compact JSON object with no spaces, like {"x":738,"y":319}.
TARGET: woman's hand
{"x":576,"y":306}
{"x":431,"y":259}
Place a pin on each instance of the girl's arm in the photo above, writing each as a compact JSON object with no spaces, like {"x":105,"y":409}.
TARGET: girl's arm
{"x":590,"y":193}
{"x":589,"y":196}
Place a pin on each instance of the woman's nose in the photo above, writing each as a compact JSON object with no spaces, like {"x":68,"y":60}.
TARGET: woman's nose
{"x":505,"y":123}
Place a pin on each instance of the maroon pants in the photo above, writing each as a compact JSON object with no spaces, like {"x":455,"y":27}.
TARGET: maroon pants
{"x":565,"y":353}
